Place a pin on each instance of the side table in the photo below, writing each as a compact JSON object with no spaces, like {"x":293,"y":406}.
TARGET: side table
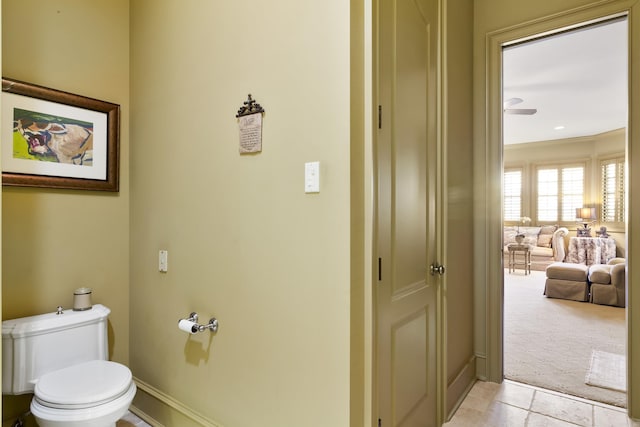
{"x":513,"y":249}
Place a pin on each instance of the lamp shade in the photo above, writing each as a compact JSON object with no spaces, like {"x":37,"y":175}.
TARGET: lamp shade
{"x":586,"y":213}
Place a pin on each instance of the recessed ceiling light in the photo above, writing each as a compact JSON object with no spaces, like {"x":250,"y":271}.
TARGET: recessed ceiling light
{"x":558,"y":127}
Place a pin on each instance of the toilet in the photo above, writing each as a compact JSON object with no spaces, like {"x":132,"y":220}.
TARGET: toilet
{"x":61,"y":358}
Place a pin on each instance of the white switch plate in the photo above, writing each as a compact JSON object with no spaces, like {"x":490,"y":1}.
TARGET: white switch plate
{"x":312,"y":177}
{"x":163,"y":259}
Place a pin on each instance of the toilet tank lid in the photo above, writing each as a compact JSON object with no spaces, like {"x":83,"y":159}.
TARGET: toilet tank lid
{"x":34,"y":325}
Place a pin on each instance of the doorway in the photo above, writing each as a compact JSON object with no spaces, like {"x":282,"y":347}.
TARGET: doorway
{"x":547,"y":81}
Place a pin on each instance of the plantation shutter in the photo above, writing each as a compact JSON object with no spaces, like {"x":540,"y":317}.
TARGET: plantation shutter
{"x":512,"y":195}
{"x":548,"y":194}
{"x":612,"y":190}
{"x":572,"y":192}
{"x":560,"y":192}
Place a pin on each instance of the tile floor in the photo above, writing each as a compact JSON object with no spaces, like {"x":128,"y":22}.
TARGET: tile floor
{"x":131,"y":420}
{"x":513,"y":404}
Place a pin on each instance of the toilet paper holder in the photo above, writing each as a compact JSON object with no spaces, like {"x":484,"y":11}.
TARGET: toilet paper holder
{"x":211,"y":326}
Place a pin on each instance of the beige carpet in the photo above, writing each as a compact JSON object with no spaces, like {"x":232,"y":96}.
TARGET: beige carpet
{"x":549,"y":342}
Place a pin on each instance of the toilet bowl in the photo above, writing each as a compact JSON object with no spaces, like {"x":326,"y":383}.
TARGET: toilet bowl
{"x":61,"y":357}
{"x":91,"y":394}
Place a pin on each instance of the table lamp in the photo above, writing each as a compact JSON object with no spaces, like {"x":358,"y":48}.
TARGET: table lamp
{"x":586,"y":216}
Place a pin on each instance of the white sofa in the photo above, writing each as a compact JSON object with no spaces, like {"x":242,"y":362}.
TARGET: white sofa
{"x":548,"y":243}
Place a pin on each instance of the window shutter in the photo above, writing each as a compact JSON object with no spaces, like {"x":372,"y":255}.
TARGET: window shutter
{"x":512,"y":195}
{"x":572,"y":192}
{"x":547,"y":194}
{"x":560,"y":192}
{"x":612,"y":182}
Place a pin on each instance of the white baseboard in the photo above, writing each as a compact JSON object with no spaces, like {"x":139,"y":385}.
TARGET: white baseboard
{"x":458,"y":388}
{"x":168,"y":405}
{"x":481,"y":366}
{"x":144,"y":416}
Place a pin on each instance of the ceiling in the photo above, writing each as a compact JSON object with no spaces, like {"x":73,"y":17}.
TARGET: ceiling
{"x":576,"y":79}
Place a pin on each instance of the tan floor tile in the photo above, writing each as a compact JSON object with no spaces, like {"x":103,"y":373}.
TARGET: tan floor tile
{"x":486,"y":388}
{"x":466,"y":417}
{"x":539,"y":420}
{"x":563,"y":408}
{"x":516,"y":395}
{"x":605,"y":417}
{"x":503,"y":415}
{"x":481,"y":396}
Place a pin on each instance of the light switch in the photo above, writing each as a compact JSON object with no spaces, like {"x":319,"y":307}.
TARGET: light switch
{"x":312,"y":177}
{"x":163,"y":259}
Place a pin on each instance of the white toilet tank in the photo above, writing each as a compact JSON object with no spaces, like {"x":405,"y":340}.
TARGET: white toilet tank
{"x":35,"y":345}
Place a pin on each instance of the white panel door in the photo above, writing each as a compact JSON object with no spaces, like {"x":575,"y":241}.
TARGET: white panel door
{"x":406,"y":213}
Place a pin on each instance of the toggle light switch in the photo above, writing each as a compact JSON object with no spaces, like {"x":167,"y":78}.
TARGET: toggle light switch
{"x":312,"y":177}
{"x":163,"y":256}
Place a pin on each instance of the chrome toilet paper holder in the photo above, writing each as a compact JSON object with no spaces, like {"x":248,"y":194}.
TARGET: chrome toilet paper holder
{"x":211,"y":326}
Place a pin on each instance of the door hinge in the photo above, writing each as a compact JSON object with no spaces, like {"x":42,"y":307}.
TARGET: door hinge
{"x":379,"y":422}
{"x":379,"y":116}
{"x":379,"y":269}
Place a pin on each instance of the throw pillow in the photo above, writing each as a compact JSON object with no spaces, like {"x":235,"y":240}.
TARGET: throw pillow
{"x":546,"y":234}
{"x":530,"y":235}
{"x":548,"y":229}
{"x":509,"y":235}
{"x":544,"y":240}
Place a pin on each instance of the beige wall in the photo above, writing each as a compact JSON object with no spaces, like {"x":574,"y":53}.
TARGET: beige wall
{"x":245,"y":243}
{"x":57,"y":240}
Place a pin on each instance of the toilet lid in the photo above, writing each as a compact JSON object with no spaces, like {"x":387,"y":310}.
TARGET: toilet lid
{"x":83,"y":385}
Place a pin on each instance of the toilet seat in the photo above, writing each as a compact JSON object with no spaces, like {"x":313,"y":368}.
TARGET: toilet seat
{"x":104,"y":415}
{"x":85,"y":385}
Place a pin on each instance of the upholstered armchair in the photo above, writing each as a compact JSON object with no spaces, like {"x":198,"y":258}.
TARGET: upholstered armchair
{"x":608,"y":283}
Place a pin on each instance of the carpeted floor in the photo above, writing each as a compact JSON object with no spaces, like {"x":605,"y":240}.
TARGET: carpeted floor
{"x":549,"y":342}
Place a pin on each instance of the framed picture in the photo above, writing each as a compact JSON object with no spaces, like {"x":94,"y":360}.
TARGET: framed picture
{"x":56,"y":139}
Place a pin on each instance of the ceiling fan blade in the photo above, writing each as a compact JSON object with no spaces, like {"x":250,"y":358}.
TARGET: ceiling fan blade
{"x":512,"y":101}
{"x":523,"y":111}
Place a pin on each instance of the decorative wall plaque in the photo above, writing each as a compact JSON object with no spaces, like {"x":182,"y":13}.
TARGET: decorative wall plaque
{"x":250,"y":126}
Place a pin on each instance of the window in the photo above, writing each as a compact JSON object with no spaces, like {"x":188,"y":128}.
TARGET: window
{"x":560,"y":192}
{"x":512,"y":195}
{"x":548,"y":195}
{"x":612,"y":186}
{"x":572,"y":192}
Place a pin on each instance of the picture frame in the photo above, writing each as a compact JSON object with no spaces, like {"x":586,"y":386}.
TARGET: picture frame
{"x":58,"y":139}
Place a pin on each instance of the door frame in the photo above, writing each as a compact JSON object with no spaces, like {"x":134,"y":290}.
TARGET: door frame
{"x":488,"y":262}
